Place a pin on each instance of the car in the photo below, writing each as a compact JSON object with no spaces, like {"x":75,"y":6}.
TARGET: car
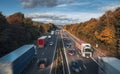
{"x":77,"y":66}
{"x":51,"y":43}
{"x":49,"y":36}
{"x":71,"y":52}
{"x":42,"y":63}
{"x":68,"y":45}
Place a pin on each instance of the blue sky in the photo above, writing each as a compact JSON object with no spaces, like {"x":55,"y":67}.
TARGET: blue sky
{"x":72,"y":11}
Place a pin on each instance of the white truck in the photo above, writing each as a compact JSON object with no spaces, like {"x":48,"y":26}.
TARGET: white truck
{"x":109,"y":65}
{"x":85,"y":48}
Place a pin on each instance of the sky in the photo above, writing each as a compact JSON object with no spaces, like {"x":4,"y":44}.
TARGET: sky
{"x":59,"y":11}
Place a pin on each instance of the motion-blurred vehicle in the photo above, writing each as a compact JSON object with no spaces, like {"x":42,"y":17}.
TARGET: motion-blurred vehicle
{"x":51,"y":43}
{"x":49,"y":36}
{"x":76,"y":66}
{"x":71,"y":52}
{"x":86,"y":48}
{"x":42,"y":41}
{"x":68,"y":44}
{"x":42,"y":63}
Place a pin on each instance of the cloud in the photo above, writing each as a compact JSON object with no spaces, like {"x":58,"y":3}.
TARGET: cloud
{"x":48,"y":3}
{"x":110,"y":7}
{"x":63,"y":18}
{"x":74,"y":4}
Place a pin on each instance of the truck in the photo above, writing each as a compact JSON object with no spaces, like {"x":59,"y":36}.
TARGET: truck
{"x":42,"y":41}
{"x":108,"y":65}
{"x":16,"y":61}
{"x":85,"y":48}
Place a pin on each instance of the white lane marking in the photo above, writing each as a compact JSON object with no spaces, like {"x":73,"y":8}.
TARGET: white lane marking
{"x":37,"y":60}
{"x":53,"y":55}
{"x":94,"y":60}
{"x":65,"y":56}
{"x":84,"y":66}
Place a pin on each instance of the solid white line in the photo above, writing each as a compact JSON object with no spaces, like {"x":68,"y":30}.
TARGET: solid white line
{"x":65,"y":56}
{"x":94,"y":60}
{"x":53,"y":56}
{"x":84,"y":66}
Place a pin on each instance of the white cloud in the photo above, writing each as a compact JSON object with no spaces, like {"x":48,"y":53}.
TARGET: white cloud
{"x":63,"y":18}
{"x":110,"y":7}
{"x":79,"y":4}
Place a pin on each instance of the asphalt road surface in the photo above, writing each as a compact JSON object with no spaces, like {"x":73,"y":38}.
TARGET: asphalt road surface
{"x":49,"y":52}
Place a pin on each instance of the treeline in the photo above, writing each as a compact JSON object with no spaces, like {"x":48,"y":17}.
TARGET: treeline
{"x":16,"y":30}
{"x":100,"y":31}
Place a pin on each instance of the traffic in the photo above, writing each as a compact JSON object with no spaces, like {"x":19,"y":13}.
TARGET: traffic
{"x":77,"y":57}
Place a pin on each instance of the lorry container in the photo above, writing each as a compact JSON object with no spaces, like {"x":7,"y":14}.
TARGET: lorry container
{"x":42,"y":41}
{"x":109,"y":65}
{"x":16,"y":61}
{"x":85,"y":48}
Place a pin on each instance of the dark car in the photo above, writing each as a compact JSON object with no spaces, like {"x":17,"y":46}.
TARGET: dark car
{"x":51,"y":43}
{"x":76,"y":66}
{"x":42,"y":63}
{"x":68,"y":45}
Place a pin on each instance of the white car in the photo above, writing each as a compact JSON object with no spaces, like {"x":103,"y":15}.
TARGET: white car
{"x":49,"y":36}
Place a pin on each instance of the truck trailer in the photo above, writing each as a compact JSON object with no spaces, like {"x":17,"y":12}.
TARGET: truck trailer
{"x":42,"y":41}
{"x":109,"y":65}
{"x":85,"y":48}
{"x":16,"y":61}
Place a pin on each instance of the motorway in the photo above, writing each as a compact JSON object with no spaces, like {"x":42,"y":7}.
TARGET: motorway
{"x":59,"y":50}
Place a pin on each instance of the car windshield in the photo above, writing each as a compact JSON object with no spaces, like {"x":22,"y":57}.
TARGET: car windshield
{"x":87,"y":50}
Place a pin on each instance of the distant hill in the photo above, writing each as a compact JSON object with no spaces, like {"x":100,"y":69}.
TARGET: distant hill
{"x":98,"y":31}
{"x":16,"y":30}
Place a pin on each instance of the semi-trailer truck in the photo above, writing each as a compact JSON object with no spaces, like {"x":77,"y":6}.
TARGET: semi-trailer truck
{"x":42,"y":41}
{"x":16,"y":61}
{"x":85,"y":48}
{"x":109,"y":65}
